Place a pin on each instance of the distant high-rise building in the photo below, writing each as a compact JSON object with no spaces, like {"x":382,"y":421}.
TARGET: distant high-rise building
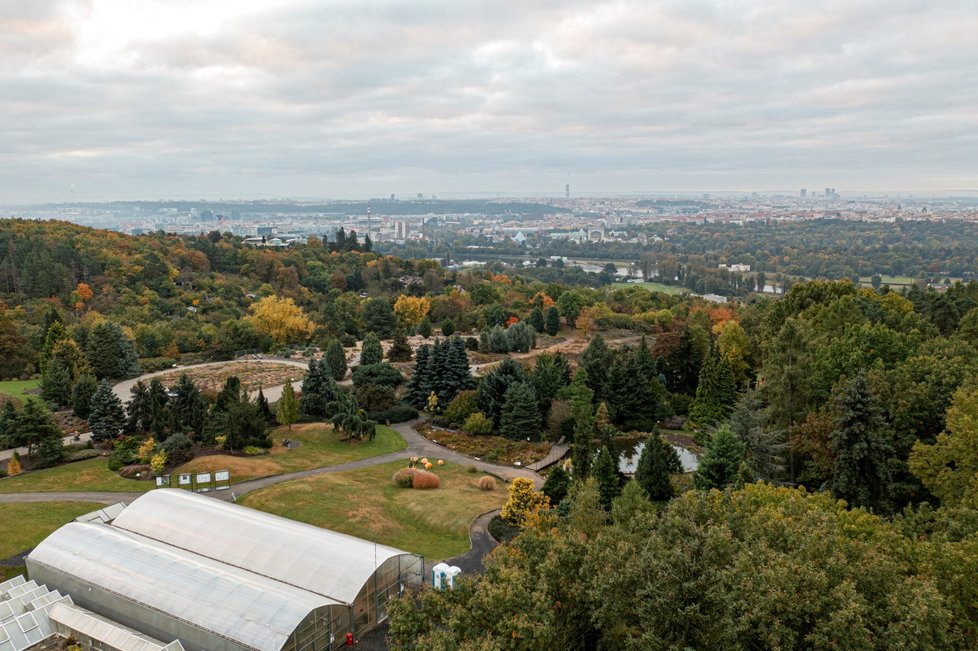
{"x":828,"y":192}
{"x":567,"y":191}
{"x":803,"y":193}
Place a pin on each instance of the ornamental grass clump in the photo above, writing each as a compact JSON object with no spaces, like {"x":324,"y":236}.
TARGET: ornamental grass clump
{"x":404,"y":478}
{"x":487,"y":483}
{"x":424,"y":480}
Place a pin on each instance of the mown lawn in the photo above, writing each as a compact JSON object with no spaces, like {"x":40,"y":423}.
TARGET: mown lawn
{"x":367,"y":504}
{"x":653,"y":287}
{"x":319,"y":446}
{"x":88,"y":475}
{"x":25,"y":524}
{"x":18,"y":388}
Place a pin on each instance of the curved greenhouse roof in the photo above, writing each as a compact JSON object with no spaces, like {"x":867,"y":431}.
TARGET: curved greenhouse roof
{"x":318,"y":560}
{"x":244,"y":608}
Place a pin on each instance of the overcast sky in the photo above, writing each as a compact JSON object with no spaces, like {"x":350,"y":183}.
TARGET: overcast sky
{"x":128,"y":99}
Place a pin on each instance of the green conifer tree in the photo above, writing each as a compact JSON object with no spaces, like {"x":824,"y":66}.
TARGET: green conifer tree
{"x":597,"y":360}
{"x":553,"y":321}
{"x":110,"y":353}
{"x":287,"y":409}
{"x":716,"y":391}
{"x":400,"y":350}
{"x":137,"y":408}
{"x":655,"y":466}
{"x":557,"y":484}
{"x":605,"y":471}
{"x":335,"y":359}
{"x":81,"y":395}
{"x":263,"y":409}
{"x":318,"y":390}
{"x":42,"y":436}
{"x":419,"y":386}
{"x":371,"y":352}
{"x":107,"y":417}
{"x":520,"y":417}
{"x":490,"y":395}
{"x":861,"y":472}
{"x":536,"y":319}
{"x":56,"y":384}
{"x":721,"y":465}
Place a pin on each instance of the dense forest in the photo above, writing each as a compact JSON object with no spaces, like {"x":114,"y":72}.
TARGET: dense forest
{"x":834,"y":505}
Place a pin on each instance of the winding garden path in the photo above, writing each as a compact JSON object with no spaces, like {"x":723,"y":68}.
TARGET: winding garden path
{"x":471,"y":561}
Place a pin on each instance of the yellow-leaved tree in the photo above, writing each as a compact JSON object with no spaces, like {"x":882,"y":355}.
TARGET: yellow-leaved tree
{"x":411,"y":310}
{"x":281,"y":319}
{"x":523,"y":501}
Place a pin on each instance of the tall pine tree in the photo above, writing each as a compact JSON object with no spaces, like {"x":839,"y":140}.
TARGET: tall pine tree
{"x":107,"y":417}
{"x":716,"y":392}
{"x":419,"y":387}
{"x":490,"y":395}
{"x":655,"y":466}
{"x":81,"y":395}
{"x":318,"y":390}
{"x":287,"y":409}
{"x":722,"y":463}
{"x":536,"y":319}
{"x":400,"y":350}
{"x":371,"y":352}
{"x":596,"y":360}
{"x":335,"y":359}
{"x":605,"y":471}
{"x":553,"y":321}
{"x":861,"y":472}
{"x":520,"y":417}
{"x":111,"y":353}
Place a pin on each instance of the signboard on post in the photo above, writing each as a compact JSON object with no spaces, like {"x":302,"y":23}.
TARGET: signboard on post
{"x":203,"y":482}
{"x":185,"y":481}
{"x":163,"y":481}
{"x":222,"y":480}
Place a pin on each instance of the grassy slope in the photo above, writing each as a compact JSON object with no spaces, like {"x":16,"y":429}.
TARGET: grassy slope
{"x":27,"y":524}
{"x":88,"y":475}
{"x":320,"y":447}
{"x":365,"y":503}
{"x":18,"y":388}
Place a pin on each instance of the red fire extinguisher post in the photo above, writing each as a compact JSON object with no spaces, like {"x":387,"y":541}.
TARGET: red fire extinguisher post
{"x":349,"y":639}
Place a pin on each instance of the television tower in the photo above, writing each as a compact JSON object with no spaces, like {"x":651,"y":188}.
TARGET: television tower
{"x":369,"y":226}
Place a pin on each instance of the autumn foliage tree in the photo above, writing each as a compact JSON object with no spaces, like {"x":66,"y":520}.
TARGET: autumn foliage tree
{"x":281,"y":319}
{"x":523,"y":500}
{"x":410,"y":310}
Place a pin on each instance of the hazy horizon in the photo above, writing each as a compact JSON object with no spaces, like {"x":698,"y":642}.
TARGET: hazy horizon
{"x":188,"y":100}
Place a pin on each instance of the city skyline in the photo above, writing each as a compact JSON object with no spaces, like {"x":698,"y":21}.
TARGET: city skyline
{"x":109,"y":100}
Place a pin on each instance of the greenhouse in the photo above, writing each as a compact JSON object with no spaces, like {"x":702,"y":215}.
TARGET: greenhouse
{"x":179,"y":566}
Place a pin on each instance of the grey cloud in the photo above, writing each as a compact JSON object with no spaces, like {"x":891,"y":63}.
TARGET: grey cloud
{"x":361,"y":98}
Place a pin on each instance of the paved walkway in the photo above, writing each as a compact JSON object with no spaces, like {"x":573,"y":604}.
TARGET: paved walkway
{"x":68,"y":440}
{"x":417,"y":446}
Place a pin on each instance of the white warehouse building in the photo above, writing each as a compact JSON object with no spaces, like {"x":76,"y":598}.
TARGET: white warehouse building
{"x":180,"y":567}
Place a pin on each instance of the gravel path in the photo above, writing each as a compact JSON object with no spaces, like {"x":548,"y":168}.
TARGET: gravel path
{"x":122,"y":390}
